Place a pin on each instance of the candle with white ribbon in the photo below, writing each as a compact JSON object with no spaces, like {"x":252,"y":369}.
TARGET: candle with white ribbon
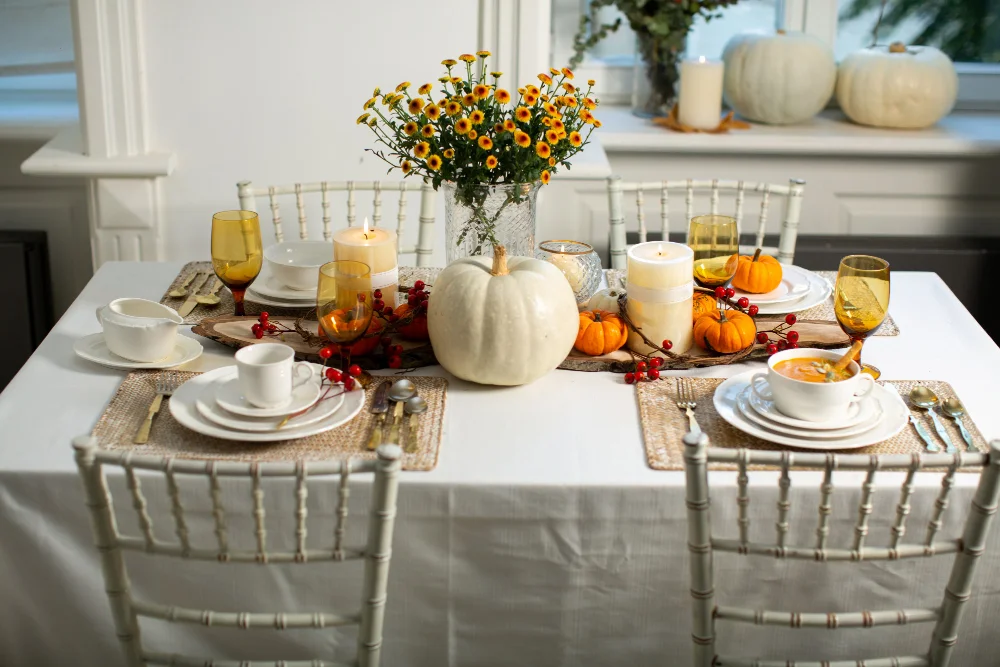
{"x":699,"y":103}
{"x":377,"y":249}
{"x":660,"y":292}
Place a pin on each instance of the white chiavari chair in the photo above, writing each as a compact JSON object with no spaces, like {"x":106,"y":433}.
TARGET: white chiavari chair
{"x":946,"y":618}
{"x":127,"y":609}
{"x":792,"y":193}
{"x":248,"y":195}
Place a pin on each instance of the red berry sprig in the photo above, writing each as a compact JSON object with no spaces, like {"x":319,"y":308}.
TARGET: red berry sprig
{"x":784,"y":337}
{"x":265,"y":327}
{"x":649,"y":369}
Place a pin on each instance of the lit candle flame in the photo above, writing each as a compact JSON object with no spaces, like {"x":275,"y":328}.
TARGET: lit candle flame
{"x":366,"y":228}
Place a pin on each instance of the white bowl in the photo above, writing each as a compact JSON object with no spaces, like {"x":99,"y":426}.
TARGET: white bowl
{"x":295,"y":264}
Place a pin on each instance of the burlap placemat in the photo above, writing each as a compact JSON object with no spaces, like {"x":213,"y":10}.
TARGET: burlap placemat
{"x":127,"y":410}
{"x":823,"y":312}
{"x":664,"y":425}
{"x":407,"y":276}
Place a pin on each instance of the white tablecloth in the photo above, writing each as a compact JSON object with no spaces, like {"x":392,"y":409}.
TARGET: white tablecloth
{"x":541,"y":538}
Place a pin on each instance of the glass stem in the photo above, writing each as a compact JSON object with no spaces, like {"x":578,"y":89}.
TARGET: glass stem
{"x":238,"y":302}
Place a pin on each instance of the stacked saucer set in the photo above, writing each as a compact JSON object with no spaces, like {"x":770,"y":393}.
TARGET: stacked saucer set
{"x":265,"y":397}
{"x":799,"y":289}
{"x":803,"y":400}
{"x":289,"y":276}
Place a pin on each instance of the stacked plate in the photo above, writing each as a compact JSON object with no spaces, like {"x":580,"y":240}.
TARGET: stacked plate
{"x":799,"y":289}
{"x":267,"y":291}
{"x":877,"y":417}
{"x":212,"y":404}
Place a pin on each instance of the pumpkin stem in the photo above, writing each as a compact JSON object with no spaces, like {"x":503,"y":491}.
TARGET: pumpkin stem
{"x":499,"y":261}
{"x":897,"y":47}
{"x":756,"y":254}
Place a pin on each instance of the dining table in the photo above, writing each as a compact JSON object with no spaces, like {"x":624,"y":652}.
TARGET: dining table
{"x":541,"y":537}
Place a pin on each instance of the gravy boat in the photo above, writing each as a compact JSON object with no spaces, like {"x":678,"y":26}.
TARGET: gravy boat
{"x":138,"y":329}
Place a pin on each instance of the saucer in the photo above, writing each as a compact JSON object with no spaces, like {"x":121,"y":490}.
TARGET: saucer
{"x":230,"y":397}
{"x":93,"y":348}
{"x":742,"y":402}
{"x":819,"y":291}
{"x":210,"y":410}
{"x":857,"y":413}
{"x":268,"y":286}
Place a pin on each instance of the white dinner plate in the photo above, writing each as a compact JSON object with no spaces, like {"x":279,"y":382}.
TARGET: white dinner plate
{"x":819,"y":291}
{"x":183,"y":407}
{"x":895,"y":415}
{"x":857,"y":413}
{"x":93,"y":348}
{"x":794,"y":284}
{"x":268,"y":286}
{"x":252,"y":295}
{"x":229,"y":396}
{"x":742,"y":402}
{"x":213,"y":412}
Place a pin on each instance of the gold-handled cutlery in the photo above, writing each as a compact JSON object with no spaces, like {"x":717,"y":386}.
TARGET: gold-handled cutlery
{"x":180,"y":291}
{"x":380,"y":406}
{"x":399,"y":392}
{"x":685,"y":401}
{"x":414,"y":406}
{"x":924,"y":398}
{"x":192,"y":300}
{"x":954,"y":409}
{"x":165,"y":387}
{"x":211,"y":297}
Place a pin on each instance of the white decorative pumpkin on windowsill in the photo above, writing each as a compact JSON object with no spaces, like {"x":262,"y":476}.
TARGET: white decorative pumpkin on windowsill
{"x":897,"y":86}
{"x":778,"y":79}
{"x":495,"y":320}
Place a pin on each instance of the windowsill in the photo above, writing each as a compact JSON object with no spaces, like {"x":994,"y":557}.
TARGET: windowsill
{"x":960,"y":134}
{"x":37,"y":107}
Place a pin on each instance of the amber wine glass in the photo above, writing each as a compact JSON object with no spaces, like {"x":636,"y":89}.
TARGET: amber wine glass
{"x":716,"y":245}
{"x":344,"y":303}
{"x":861,"y":299}
{"x":237,"y":253}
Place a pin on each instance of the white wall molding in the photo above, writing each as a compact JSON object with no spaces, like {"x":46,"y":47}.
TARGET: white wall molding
{"x":517,"y":33}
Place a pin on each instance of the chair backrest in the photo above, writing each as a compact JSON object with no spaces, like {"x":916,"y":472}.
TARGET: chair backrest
{"x":968,"y":549}
{"x":126,"y":609}
{"x":248,"y":195}
{"x":617,"y":188}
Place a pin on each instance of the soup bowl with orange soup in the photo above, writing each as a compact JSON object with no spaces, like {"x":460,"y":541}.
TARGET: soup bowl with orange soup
{"x":798,"y":384}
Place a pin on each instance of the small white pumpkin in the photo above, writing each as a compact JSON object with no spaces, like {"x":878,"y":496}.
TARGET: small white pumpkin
{"x":897,"y":86}
{"x":605,"y":299}
{"x":778,"y":79}
{"x":501,"y":321}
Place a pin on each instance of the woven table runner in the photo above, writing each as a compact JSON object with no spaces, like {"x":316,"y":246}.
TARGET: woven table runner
{"x":664,"y":424}
{"x":130,"y":405}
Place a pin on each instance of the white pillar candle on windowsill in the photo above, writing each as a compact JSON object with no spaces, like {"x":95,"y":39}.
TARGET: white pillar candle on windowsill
{"x":699,"y":103}
{"x":377,"y":249}
{"x":660,"y":292}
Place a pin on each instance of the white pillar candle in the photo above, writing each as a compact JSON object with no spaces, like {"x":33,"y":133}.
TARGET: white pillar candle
{"x":699,"y":103}
{"x":377,"y":249}
{"x":660,"y":292}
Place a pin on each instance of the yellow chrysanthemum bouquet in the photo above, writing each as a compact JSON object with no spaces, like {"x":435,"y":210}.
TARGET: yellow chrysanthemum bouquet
{"x":478,"y":133}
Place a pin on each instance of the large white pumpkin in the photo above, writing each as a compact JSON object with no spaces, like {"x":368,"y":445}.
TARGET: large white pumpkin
{"x":778,"y":79}
{"x":501,"y":320}
{"x":897,"y":86}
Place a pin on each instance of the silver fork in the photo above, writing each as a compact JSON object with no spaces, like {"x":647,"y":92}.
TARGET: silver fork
{"x":166,"y":385}
{"x":686,"y":402}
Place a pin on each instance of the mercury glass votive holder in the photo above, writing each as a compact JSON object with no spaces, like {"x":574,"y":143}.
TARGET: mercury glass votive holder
{"x":578,"y":262}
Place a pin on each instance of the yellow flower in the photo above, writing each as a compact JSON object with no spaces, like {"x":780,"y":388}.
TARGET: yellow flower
{"x":542,"y":149}
{"x":545,"y":78}
{"x":406,"y":166}
{"x":466,"y":58}
{"x":502,"y":96}
{"x":586,"y":116}
{"x":546,"y":177}
{"x":477,"y":117}
{"x":589,"y":103}
{"x":485,"y":143}
{"x":362,"y":118}
{"x":591,"y":82}
{"x":547,"y":122}
{"x":562,"y":134}
{"x":569,"y":87}
{"x":509,"y":125}
{"x":552,"y":162}
{"x":416,"y":104}
{"x":532,"y":88}
{"x":422,"y":149}
{"x":469,"y":100}
{"x":403,"y":86}
{"x":434,"y":162}
{"x":575,"y":138}
{"x":483,"y":54}
{"x":473,"y":134}
{"x":463,"y":125}
{"x":491,"y":162}
{"x":410,"y":129}
{"x":377,"y":91}
{"x":545,"y":98}
{"x":444,"y":79}
{"x":498,"y":128}
{"x":372,"y":122}
{"x":551,"y":135}
{"x":456,"y":79}
{"x":449,"y":153}
{"x":496,"y":75}
{"x":557,"y":124}
{"x":567,"y":72}
{"x":554,"y":71}
{"x":570,"y":101}
{"x":424,"y":89}
{"x":481,"y":91}
{"x":551,"y":109}
{"x":370,"y":103}
{"x":530,"y":98}
{"x":433,"y":111}
{"x":523,"y":114}
{"x":453,"y":108}
{"x":427,"y":131}
{"x":449,"y":62}
{"x":597,"y":123}
{"x":522,"y":139}
{"x":521,"y":91}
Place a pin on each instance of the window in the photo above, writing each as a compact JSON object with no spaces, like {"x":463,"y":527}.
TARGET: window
{"x":36,"y":45}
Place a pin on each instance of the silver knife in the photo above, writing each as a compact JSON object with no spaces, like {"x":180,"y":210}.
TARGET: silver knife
{"x":380,"y":406}
{"x":192,"y":299}
{"x":943,"y":434}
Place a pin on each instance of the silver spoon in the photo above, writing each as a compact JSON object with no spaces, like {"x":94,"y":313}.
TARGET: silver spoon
{"x":181,"y":290}
{"x":399,"y":392}
{"x":415,"y":405}
{"x":922,"y":397}
{"x":954,"y":409}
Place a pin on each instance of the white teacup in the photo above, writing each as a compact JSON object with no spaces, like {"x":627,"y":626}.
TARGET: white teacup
{"x":138,"y":329}
{"x":268,"y":374}
{"x":812,"y":401}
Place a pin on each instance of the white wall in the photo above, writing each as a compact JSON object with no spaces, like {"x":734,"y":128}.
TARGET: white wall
{"x":269,"y":92}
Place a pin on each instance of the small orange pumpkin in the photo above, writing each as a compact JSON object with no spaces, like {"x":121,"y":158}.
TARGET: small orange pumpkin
{"x":702,"y":304}
{"x":726,"y":332}
{"x":600,"y":332}
{"x":757,"y":274}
